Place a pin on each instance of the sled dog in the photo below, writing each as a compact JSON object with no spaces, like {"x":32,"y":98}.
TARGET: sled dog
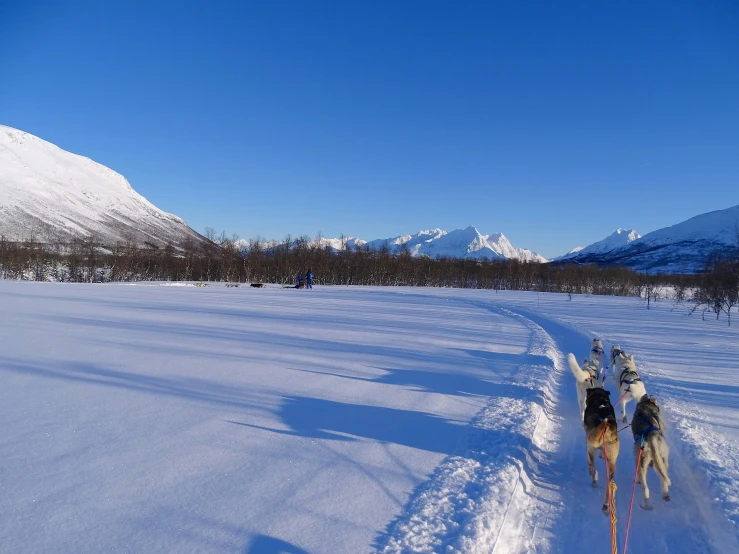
{"x":601,"y":428}
{"x":648,"y":431}
{"x":616,"y":352}
{"x":597,"y":355}
{"x":630,"y":386}
{"x":586,"y":377}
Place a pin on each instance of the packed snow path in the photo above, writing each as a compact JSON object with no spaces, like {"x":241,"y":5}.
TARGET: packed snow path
{"x":690,"y":522}
{"x":148,"y":418}
{"x":557,"y":510}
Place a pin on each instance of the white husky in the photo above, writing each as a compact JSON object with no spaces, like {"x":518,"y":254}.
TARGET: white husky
{"x":597,"y":355}
{"x":630,"y":386}
{"x":615,"y":351}
{"x":586,"y":376}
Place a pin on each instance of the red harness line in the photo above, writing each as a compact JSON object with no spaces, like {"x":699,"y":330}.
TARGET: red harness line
{"x":631,"y":504}
{"x":610,"y":498}
{"x":622,"y":397}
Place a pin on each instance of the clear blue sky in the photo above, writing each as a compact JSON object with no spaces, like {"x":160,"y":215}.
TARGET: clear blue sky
{"x":552,"y":122}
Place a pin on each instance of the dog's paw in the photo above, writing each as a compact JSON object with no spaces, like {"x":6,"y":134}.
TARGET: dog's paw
{"x":624,"y":419}
{"x":666,"y":497}
{"x":605,"y":507}
{"x":645,"y":506}
{"x":594,"y":484}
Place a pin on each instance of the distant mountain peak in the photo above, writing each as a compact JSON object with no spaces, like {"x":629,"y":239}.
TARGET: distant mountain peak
{"x":460,"y":243}
{"x":683,"y":247}
{"x":618,"y":239}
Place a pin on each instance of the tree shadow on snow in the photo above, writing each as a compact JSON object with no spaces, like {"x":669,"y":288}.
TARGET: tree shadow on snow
{"x":326,"y":419}
{"x":198,"y":389}
{"x":705,"y":394}
{"x":493,"y":381}
{"x":262,"y":544}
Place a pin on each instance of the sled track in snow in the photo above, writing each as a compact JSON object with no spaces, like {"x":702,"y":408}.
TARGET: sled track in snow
{"x":480,"y":500}
{"x":691,"y":522}
{"x":533,"y":494}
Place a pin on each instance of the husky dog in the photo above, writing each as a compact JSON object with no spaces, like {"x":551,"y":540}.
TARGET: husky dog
{"x":648,"y":431}
{"x":601,"y":430}
{"x":586,"y":377}
{"x":630,"y":386}
{"x":616,"y":352}
{"x":597,"y":355}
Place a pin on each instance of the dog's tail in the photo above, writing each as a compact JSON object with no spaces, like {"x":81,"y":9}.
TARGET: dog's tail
{"x":579,"y":374}
{"x":609,"y":426}
{"x":660,"y":452}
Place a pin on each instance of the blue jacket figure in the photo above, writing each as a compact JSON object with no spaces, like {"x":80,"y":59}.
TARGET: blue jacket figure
{"x":309,"y":279}
{"x":300,"y":282}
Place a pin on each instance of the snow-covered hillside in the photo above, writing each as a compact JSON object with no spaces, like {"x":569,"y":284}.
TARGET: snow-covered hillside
{"x":617,"y":239}
{"x":683,"y":247}
{"x":461,"y":243}
{"x":50,"y":194}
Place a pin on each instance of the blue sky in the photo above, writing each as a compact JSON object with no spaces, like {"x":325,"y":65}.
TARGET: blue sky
{"x":552,"y":122}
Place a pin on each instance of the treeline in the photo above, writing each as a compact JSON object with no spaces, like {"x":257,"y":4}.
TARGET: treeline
{"x":230,"y":260}
{"x":717,"y":287}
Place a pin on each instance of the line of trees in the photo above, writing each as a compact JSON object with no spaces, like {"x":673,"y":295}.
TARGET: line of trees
{"x":228,"y":259}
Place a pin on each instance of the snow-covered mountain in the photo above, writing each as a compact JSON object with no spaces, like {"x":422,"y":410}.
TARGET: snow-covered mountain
{"x":54,"y":195}
{"x":461,"y":243}
{"x":338,"y":244}
{"x":617,"y":239}
{"x":683,"y":247}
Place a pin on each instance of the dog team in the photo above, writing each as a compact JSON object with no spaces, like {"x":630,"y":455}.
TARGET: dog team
{"x":599,"y":417}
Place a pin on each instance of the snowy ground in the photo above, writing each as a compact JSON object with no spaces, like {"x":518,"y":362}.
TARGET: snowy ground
{"x":181,"y":419}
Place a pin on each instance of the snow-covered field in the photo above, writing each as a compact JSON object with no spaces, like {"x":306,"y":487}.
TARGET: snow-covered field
{"x":181,"y":419}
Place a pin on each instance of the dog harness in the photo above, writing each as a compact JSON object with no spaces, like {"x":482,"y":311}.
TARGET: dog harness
{"x":597,"y":350}
{"x":624,"y":377}
{"x":615,"y":355}
{"x":593,"y":372}
{"x":649,"y":430}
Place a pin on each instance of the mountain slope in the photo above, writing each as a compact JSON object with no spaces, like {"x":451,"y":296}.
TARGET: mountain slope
{"x":53,"y":195}
{"x":683,"y":247}
{"x":617,"y":239}
{"x":460,"y":243}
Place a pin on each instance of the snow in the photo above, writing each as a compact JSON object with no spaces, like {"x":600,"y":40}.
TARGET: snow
{"x":460,"y":243}
{"x":682,"y":248}
{"x":156,"y":418}
{"x":617,"y":239}
{"x":719,"y":226}
{"x":52,"y":194}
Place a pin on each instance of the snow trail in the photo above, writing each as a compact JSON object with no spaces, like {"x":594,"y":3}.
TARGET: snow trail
{"x":479,"y":501}
{"x":689,"y":523}
{"x":551,"y":506}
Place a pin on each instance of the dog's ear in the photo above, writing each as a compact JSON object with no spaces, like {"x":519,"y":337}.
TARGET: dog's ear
{"x":644,"y":398}
{"x":631,"y":357}
{"x":585,"y":361}
{"x":653,"y":400}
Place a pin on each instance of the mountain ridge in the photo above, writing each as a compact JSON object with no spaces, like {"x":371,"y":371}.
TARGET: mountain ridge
{"x":53,"y":195}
